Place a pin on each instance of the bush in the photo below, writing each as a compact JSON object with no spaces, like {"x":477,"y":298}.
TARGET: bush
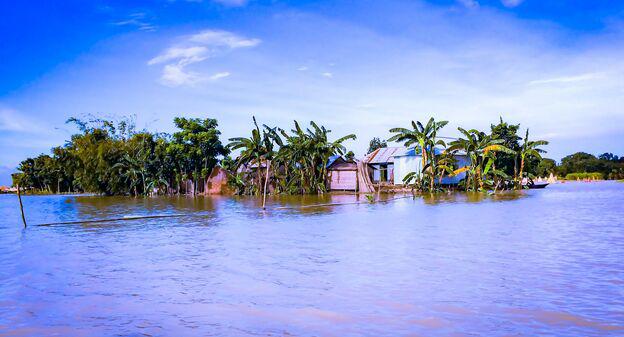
{"x":584,"y":175}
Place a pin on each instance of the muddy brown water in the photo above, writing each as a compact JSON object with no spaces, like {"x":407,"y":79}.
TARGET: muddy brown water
{"x":541,"y":262}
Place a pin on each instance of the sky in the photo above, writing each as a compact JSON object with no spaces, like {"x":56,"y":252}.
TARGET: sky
{"x":362,"y":67}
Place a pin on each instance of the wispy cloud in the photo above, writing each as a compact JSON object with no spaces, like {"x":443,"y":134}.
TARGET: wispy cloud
{"x":569,"y":79}
{"x":327,"y":74}
{"x":197,"y":48}
{"x":232,"y":3}
{"x":302,"y":68}
{"x":227,"y":3}
{"x":138,"y":20}
{"x":469,"y":3}
{"x":511,"y":3}
{"x":14,"y":121}
{"x":219,"y":75}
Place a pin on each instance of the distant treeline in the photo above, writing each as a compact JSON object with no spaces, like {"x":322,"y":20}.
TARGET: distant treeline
{"x":605,"y":166}
{"x":113,"y":158}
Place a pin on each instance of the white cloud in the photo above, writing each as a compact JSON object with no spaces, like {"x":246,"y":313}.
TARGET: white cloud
{"x":10,"y":121}
{"x":185,"y":56}
{"x":569,"y":79}
{"x":219,"y":75}
{"x":302,"y":68}
{"x":469,"y":3}
{"x":138,"y":20}
{"x":327,"y":74}
{"x":511,"y":3}
{"x":197,"y":48}
{"x":14,"y":121}
{"x":221,"y":38}
{"x":174,"y":75}
{"x":232,"y":3}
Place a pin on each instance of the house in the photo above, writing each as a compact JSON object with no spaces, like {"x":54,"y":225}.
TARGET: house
{"x":410,"y":160}
{"x":381,"y":163}
{"x":343,"y":174}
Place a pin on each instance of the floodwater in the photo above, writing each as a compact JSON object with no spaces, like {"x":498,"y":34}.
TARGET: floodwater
{"x":542,"y":262}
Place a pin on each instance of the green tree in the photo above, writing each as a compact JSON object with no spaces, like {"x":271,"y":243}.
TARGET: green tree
{"x":507,"y":162}
{"x":376,"y":143}
{"x":529,"y":149}
{"x":480,"y":148}
{"x":425,"y":137}
{"x":198,"y":145}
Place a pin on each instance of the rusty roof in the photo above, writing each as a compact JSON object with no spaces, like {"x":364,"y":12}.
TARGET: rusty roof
{"x":383,"y":155}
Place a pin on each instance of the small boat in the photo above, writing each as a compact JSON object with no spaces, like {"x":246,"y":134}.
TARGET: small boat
{"x":539,"y":184}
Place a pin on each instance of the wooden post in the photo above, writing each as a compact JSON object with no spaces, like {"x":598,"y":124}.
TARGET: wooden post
{"x":266,"y":181}
{"x":19,"y":196}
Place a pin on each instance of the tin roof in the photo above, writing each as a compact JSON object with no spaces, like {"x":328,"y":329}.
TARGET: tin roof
{"x":386,"y":154}
{"x":383,"y":155}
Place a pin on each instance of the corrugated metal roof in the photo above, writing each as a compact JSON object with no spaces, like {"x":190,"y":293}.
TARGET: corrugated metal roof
{"x":383,"y":155}
{"x":386,"y":154}
{"x":331,"y":160}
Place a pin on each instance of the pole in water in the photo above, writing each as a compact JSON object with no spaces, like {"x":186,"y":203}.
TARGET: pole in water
{"x":19,"y":196}
{"x":266,"y":181}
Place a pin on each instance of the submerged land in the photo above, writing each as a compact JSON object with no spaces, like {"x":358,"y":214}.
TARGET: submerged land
{"x":113,"y":158}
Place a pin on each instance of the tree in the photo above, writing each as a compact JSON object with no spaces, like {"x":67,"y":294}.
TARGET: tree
{"x":608,"y":156}
{"x":545,"y":167}
{"x":528,"y":149}
{"x":426,"y":139}
{"x":349,"y":156}
{"x":199,"y":145}
{"x":253,"y":150}
{"x":480,"y":148}
{"x":507,"y":162}
{"x":376,"y":143}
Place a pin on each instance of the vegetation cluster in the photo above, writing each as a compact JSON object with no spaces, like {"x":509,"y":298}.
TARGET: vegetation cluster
{"x":113,"y":158}
{"x":497,"y":160}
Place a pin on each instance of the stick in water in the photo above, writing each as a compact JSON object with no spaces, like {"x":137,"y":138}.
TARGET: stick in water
{"x":19,"y":196}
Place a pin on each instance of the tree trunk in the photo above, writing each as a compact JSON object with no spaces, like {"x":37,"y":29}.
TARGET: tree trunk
{"x":521,"y":171}
{"x":266,"y":182}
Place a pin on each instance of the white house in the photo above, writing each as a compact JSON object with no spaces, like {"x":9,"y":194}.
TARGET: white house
{"x":409,"y":161}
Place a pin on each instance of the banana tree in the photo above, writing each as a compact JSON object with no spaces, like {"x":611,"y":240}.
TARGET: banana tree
{"x":480,"y":148}
{"x":425,"y":137}
{"x":252,"y":151}
{"x":529,"y":148}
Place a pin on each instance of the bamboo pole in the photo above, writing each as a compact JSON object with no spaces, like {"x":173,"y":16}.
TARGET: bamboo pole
{"x":19,"y":197}
{"x":265,"y":184}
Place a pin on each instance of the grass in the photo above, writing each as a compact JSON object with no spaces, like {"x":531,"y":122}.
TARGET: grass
{"x":585,"y":175}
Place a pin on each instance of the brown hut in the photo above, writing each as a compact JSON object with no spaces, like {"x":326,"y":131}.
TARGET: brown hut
{"x":342,"y":175}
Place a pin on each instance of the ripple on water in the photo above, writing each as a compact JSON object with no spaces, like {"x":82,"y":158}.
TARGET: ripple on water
{"x":545,"y":262}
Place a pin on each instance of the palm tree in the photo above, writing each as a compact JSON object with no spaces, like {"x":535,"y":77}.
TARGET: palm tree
{"x":480,"y":148}
{"x":426,"y":139}
{"x":131,"y":170}
{"x":529,"y":149}
{"x":270,"y":137}
{"x":252,"y":151}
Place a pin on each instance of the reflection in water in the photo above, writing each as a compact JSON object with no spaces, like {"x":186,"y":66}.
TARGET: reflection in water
{"x":537,"y":262}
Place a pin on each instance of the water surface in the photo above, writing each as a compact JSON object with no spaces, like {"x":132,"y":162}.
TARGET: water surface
{"x":542,"y":262}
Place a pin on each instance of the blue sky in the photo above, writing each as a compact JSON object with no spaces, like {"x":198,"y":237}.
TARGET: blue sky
{"x":355,"y":66}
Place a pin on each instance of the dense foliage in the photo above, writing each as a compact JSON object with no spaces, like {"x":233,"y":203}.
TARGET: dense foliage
{"x":608,"y":165}
{"x":495,"y":161}
{"x":584,"y":176}
{"x":295,"y":162}
{"x":112,"y":158}
{"x":376,"y":143}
